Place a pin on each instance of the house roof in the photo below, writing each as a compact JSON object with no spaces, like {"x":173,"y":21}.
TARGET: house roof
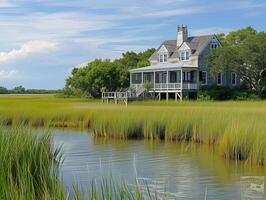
{"x":196,"y":43}
{"x":163,"y":67}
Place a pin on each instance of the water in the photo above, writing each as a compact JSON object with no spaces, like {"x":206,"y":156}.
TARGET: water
{"x":185,"y":171}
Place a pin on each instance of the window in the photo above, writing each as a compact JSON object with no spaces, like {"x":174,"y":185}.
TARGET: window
{"x":233,"y":78}
{"x":188,"y":76}
{"x":187,"y":56}
{"x":184,"y":55}
{"x":147,"y":77}
{"x":213,"y":46}
{"x":173,"y":77}
{"x":219,"y":79}
{"x":160,"y":77}
{"x":136,"y":78}
{"x":163,"y":58}
{"x":203,"y":77}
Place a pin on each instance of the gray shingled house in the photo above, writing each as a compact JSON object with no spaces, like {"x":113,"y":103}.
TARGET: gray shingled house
{"x":178,"y":67}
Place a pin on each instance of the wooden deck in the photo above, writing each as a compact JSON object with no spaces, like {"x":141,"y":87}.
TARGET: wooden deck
{"x":158,"y":88}
{"x":116,"y":96}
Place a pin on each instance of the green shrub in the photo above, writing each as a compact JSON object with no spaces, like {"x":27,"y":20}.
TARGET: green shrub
{"x":222,"y":93}
{"x":216,"y":93}
{"x":244,"y":95}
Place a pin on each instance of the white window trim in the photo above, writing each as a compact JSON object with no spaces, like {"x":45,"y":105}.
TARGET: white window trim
{"x":206,"y":79}
{"x":232,"y":78}
{"x":221,"y":79}
{"x":163,"y":57}
{"x":185,"y":52}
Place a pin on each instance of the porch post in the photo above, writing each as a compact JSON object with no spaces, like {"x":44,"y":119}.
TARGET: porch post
{"x":130,"y":80}
{"x":198,"y":79}
{"x":154,"y":80}
{"x":181,"y":91}
{"x":167,"y":81}
{"x":142,"y":77}
{"x":181,"y":79}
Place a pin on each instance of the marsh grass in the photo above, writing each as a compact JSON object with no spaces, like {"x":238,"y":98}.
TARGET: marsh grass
{"x":236,"y":129}
{"x":108,"y":189}
{"x":28,"y":167}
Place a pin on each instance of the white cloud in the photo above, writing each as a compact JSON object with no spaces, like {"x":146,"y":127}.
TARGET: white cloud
{"x":8,"y":74}
{"x":175,"y":12}
{"x":52,"y":26}
{"x":124,"y":48}
{"x":5,"y":4}
{"x":99,"y":41}
{"x":245,"y":4}
{"x":26,"y":50}
{"x":211,"y":30}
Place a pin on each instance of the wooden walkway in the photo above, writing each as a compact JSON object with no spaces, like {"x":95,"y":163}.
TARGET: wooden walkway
{"x":116,"y":96}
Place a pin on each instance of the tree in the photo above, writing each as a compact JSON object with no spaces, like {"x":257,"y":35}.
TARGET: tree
{"x":110,"y":75}
{"x":244,"y":53}
{"x":236,"y":37}
{"x":19,"y":90}
{"x":3,"y":90}
{"x":90,"y":79}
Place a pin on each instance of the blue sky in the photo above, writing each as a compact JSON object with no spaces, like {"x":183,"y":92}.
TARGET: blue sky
{"x":42,"y":40}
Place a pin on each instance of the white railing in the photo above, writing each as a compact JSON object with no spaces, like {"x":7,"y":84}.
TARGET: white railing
{"x":108,"y":95}
{"x":190,"y":86}
{"x":115,"y":95}
{"x":170,"y":86}
{"x":121,"y":95}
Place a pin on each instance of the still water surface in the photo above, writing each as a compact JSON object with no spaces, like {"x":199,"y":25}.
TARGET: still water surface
{"x":185,"y":171}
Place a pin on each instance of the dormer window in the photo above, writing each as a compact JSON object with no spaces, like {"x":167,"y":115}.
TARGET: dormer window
{"x":163,"y":58}
{"x":214,"y":46}
{"x":184,"y":55}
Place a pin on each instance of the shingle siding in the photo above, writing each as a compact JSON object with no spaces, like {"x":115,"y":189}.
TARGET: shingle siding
{"x":198,"y":47}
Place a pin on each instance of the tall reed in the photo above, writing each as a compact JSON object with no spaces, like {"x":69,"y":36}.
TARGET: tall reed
{"x":108,"y":189}
{"x":28,"y":167}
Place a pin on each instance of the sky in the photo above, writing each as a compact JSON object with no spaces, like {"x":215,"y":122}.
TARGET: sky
{"x":41,"y":41}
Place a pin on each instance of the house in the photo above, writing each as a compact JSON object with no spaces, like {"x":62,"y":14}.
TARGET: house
{"x":178,"y":68}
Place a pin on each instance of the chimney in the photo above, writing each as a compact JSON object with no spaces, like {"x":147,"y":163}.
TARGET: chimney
{"x":182,"y":35}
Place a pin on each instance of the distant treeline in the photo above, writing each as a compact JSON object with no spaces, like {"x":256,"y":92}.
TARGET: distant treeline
{"x":22,"y":90}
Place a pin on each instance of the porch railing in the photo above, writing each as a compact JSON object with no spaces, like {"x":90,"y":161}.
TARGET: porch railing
{"x":170,"y":86}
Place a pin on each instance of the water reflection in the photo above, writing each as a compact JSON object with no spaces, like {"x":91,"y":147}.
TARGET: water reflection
{"x":186,"y":171}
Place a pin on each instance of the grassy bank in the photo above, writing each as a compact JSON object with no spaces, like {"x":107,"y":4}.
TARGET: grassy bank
{"x":26,"y":166}
{"x":29,"y":171}
{"x":237,"y":129}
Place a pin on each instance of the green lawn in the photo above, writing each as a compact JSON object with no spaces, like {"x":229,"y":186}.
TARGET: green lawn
{"x":237,"y":129}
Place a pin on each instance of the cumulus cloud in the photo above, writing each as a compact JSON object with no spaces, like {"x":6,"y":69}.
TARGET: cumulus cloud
{"x":27,"y":49}
{"x":8,"y":74}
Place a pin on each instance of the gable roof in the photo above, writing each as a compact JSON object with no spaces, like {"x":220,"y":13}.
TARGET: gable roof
{"x":170,"y":45}
{"x":196,"y":43}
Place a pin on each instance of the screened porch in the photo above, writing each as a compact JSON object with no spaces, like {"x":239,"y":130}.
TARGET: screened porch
{"x":168,"y":80}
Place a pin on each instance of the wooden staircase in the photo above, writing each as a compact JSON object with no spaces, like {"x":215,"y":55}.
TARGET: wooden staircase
{"x":129,"y":94}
